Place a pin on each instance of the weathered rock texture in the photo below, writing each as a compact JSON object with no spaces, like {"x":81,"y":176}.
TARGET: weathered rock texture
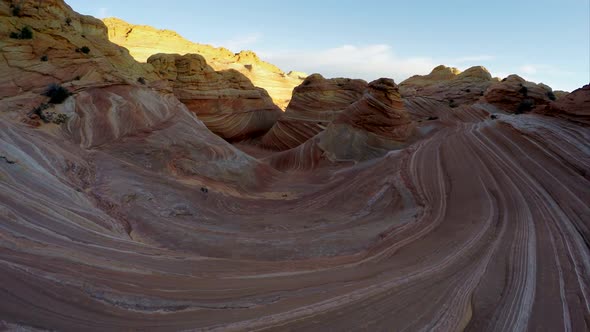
{"x":226,"y":101}
{"x":132,"y":215}
{"x":574,"y":106}
{"x":449,"y":84}
{"x":315,"y":103}
{"x":369,"y":128}
{"x":144,"y":41}
{"x":515,"y":94}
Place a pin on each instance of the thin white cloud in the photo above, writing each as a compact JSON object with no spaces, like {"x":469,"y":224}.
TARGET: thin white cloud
{"x":102,"y":12}
{"x":368,"y":62}
{"x":475,"y":58}
{"x":239,"y":43}
{"x":529,"y":69}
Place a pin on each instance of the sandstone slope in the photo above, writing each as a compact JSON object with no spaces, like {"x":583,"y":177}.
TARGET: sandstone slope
{"x":144,"y":41}
{"x":132,"y":215}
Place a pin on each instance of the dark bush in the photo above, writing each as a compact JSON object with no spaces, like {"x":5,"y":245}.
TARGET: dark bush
{"x":430,"y":118}
{"x":16,"y":10}
{"x":24,"y":33}
{"x":467,"y":90}
{"x":39,"y":112}
{"x":44,"y":58}
{"x":141,"y":80}
{"x":524,"y":91}
{"x":84,"y":49}
{"x":525,"y":106}
{"x":452,"y":103}
{"x":68,"y":21}
{"x":551,"y":95}
{"x":59,"y":118}
{"x":57,"y":93}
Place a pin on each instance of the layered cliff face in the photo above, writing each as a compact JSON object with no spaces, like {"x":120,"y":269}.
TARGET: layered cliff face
{"x":449,"y":84}
{"x":515,"y":94}
{"x":226,"y":101}
{"x":144,"y":41}
{"x":315,"y":103}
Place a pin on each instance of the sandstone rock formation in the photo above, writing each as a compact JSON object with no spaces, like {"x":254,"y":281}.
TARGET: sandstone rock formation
{"x":315,"y":103}
{"x":574,"y":106}
{"x":449,"y":84}
{"x":515,"y":94}
{"x":370,"y":127}
{"x":226,"y":101}
{"x":144,"y":41}
{"x":132,"y":215}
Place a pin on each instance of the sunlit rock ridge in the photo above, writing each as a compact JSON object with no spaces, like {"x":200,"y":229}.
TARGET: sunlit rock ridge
{"x":143,"y":41}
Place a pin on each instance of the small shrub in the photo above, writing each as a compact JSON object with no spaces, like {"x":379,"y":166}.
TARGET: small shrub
{"x":493,"y":116}
{"x":468,"y":90}
{"x":16,"y":10}
{"x":24,"y":33}
{"x":68,"y":21}
{"x":551,"y":95}
{"x":39,"y":112}
{"x":452,"y":103}
{"x":524,"y":91}
{"x":204,"y":190}
{"x":44,"y":58}
{"x":57,"y":93}
{"x":430,"y":118}
{"x":525,"y":106}
{"x":85,"y":49}
{"x":141,"y":80}
{"x":59,"y":118}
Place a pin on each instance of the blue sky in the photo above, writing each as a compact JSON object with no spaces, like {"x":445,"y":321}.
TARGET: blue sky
{"x":542,"y":41}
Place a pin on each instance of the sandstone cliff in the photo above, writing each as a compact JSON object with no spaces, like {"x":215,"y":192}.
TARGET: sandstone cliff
{"x":143,"y":41}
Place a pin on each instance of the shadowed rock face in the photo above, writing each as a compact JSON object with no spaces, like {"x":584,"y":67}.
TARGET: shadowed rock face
{"x":226,"y":101}
{"x":515,"y":94}
{"x":574,"y":106}
{"x":133,"y":215}
{"x":316,"y":102}
{"x":449,"y":84}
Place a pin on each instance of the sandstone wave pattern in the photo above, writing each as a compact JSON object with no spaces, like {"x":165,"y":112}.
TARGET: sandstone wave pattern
{"x":123,"y":209}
